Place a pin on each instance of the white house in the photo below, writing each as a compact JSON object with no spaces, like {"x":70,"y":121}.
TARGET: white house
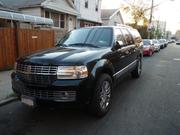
{"x":111,"y":17}
{"x":89,"y":12}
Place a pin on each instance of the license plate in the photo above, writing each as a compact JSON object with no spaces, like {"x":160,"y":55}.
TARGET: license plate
{"x":28,"y":101}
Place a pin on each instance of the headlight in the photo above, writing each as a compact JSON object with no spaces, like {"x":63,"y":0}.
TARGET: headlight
{"x":72,"y":72}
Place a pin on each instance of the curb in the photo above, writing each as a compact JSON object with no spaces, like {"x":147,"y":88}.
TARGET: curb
{"x":8,"y":100}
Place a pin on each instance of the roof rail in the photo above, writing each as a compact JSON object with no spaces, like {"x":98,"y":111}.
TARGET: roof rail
{"x":123,"y":25}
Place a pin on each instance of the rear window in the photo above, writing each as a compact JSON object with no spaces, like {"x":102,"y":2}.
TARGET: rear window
{"x":155,"y":41}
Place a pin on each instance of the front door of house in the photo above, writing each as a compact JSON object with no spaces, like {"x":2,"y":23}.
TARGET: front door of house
{"x":70,"y":24}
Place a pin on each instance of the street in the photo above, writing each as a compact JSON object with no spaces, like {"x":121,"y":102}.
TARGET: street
{"x":149,"y":105}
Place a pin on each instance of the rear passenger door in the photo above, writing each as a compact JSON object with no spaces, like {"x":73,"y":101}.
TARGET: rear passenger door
{"x":130,"y":46}
{"x":121,"y":53}
{"x":138,"y":43}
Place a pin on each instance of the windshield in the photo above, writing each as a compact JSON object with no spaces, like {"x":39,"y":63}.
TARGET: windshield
{"x":155,"y":42}
{"x":161,"y":41}
{"x":93,"y":37}
{"x":146,"y":42}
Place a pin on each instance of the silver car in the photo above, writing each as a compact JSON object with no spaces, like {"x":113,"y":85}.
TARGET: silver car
{"x":157,"y":45}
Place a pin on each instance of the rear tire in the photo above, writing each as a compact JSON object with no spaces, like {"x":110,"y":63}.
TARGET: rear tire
{"x":101,"y":101}
{"x":136,"y":73}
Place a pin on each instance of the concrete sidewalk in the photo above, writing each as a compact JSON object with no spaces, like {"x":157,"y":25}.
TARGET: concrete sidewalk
{"x":5,"y":84}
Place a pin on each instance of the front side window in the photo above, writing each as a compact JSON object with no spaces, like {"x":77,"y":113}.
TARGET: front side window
{"x":119,"y":36}
{"x":94,"y":37}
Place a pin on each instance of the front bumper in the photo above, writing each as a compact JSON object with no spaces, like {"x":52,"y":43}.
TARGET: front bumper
{"x":156,"y":48}
{"x":58,"y":90}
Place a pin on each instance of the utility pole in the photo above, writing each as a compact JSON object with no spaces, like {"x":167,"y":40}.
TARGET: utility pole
{"x":151,"y":15}
{"x":150,"y":19}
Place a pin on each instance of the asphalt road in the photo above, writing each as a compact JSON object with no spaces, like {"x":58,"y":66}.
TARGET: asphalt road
{"x":146,"y":106}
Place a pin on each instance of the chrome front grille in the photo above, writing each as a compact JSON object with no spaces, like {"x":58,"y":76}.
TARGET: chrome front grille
{"x":40,"y":70}
{"x":53,"y":95}
{"x":41,"y":75}
{"x":37,"y":79}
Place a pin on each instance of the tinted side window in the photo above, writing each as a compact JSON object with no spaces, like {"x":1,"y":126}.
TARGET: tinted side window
{"x":136,"y":36}
{"x":127,"y":36}
{"x":119,"y":36}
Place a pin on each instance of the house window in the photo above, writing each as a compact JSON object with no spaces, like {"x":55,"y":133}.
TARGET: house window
{"x":86,"y":3}
{"x":47,"y":14}
{"x":97,"y":5}
{"x":55,"y":18}
{"x":62,"y":21}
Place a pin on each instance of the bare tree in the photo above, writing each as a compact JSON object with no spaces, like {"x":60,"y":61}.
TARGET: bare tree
{"x":139,"y":10}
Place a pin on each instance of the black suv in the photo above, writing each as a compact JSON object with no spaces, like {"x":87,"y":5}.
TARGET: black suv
{"x":82,"y":67}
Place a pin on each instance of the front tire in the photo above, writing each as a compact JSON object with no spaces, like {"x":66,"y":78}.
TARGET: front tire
{"x":101,"y":101}
{"x":136,"y":73}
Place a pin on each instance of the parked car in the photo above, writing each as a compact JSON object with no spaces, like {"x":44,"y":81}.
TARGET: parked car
{"x":178,"y":42}
{"x":148,"y":47}
{"x":173,"y":41}
{"x":82,"y":68}
{"x":163,"y":42}
{"x":156,"y":45}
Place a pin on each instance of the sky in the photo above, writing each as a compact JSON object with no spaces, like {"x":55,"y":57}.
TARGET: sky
{"x":168,"y":11}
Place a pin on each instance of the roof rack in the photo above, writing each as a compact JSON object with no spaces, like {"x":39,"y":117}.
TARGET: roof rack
{"x":123,"y":25}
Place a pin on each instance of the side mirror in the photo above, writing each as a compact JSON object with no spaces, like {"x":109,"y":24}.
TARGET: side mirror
{"x":118,"y":45}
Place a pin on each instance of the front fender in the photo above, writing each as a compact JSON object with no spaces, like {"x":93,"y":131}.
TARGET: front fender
{"x":101,"y":66}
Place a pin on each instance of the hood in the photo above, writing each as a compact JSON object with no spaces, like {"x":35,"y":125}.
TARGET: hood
{"x":64,"y":56}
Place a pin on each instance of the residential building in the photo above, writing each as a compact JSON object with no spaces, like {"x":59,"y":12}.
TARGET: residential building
{"x":111,"y":17}
{"x":89,"y":12}
{"x":177,"y":35}
{"x":62,"y":12}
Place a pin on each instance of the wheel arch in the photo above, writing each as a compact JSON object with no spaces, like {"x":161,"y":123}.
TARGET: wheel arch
{"x":103,"y":66}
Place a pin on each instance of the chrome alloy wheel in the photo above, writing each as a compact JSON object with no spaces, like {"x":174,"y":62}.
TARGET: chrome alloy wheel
{"x":105,"y":94}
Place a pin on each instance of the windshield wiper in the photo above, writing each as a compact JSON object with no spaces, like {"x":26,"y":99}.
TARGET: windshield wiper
{"x":84,"y":44}
{"x":92,"y":45}
{"x":61,"y":45}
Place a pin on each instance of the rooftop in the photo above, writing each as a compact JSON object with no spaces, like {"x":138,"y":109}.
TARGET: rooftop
{"x":21,"y":3}
{"x":107,"y":13}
